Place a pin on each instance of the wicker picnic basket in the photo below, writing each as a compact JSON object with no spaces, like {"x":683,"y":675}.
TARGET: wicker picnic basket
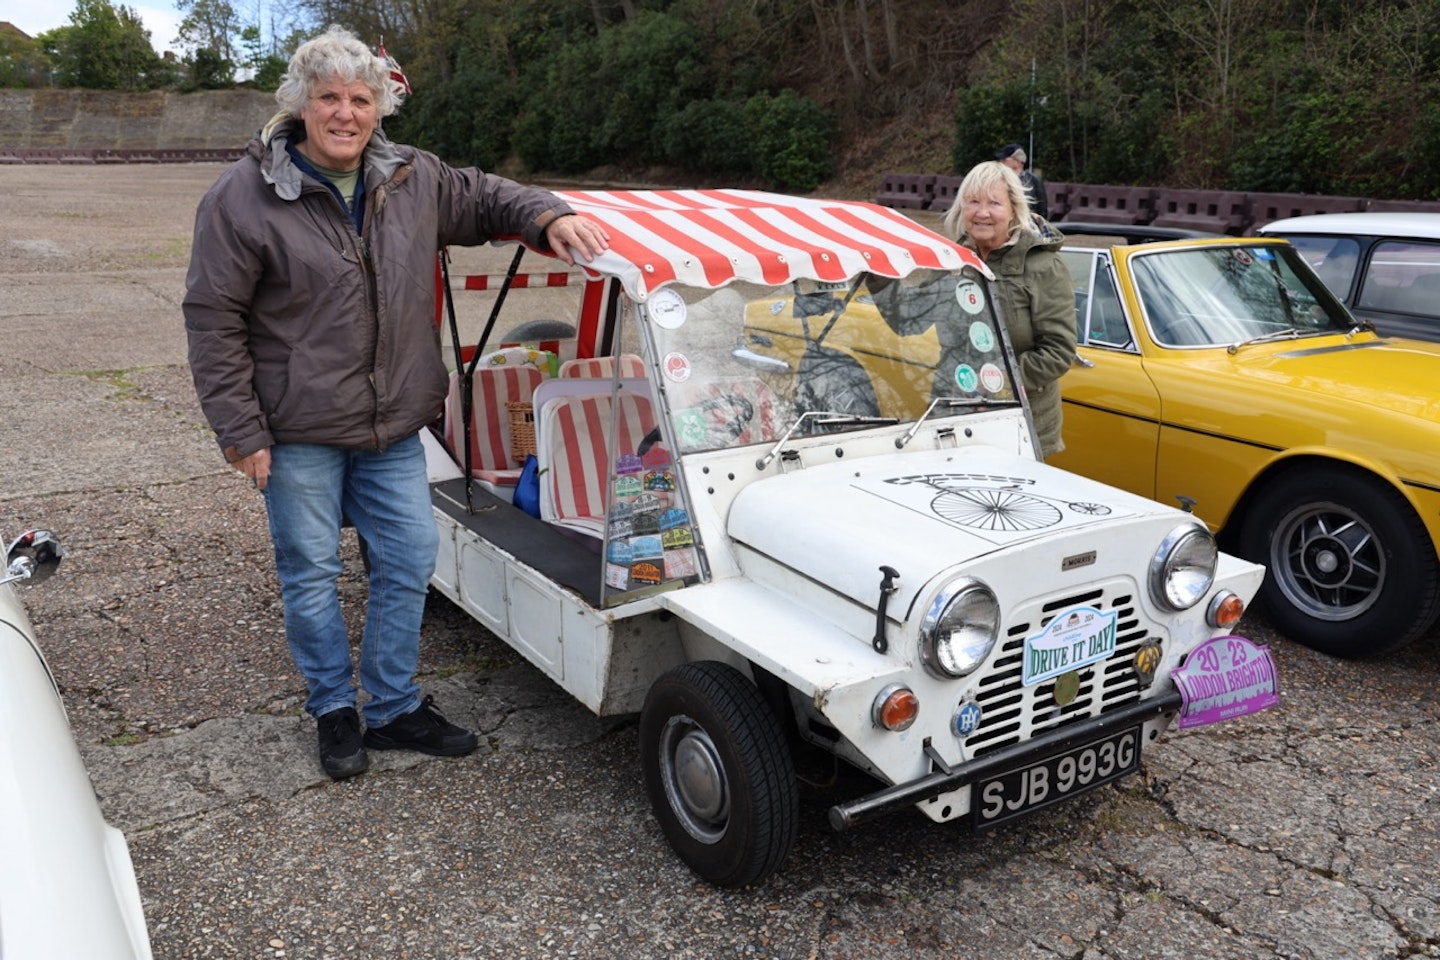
{"x":522,"y":430}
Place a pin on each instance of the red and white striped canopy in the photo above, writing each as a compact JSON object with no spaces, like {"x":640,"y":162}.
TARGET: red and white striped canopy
{"x":708,"y":238}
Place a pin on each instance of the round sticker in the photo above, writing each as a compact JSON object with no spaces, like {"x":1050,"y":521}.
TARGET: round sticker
{"x":965,"y":378}
{"x":982,"y":337}
{"x":970,"y":296}
{"x":991,"y":378}
{"x":667,"y":309}
{"x":676,"y":367}
{"x":690,"y":425}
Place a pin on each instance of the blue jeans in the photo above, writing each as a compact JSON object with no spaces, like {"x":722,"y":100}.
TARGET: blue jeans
{"x":387,"y":497}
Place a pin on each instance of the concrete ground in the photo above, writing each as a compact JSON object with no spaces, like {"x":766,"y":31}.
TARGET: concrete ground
{"x":1307,"y":831}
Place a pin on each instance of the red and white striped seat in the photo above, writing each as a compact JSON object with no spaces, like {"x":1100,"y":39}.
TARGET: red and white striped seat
{"x":494,"y":387}
{"x":631,"y":367}
{"x":577,"y":454}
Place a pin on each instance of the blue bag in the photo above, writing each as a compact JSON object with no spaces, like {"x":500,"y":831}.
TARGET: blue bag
{"x":527,"y":490}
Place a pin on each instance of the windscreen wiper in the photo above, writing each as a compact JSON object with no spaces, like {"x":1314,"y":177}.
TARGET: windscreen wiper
{"x":949,"y":403}
{"x":1289,"y":333}
{"x":824,"y":418}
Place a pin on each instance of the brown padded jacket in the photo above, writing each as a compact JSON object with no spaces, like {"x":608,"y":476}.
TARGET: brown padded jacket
{"x":301,"y":330}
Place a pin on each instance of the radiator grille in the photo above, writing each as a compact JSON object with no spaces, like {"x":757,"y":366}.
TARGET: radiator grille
{"x":1011,"y":713}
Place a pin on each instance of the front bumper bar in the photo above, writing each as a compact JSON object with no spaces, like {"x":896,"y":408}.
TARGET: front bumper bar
{"x":846,"y":815}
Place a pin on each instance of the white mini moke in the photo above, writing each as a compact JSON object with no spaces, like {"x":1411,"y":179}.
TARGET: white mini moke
{"x":786,"y":497}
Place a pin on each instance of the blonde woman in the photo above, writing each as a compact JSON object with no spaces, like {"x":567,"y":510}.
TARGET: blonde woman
{"x":991,"y":215}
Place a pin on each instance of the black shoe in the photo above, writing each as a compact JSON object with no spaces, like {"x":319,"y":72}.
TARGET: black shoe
{"x":341,"y":752}
{"x":422,"y":729}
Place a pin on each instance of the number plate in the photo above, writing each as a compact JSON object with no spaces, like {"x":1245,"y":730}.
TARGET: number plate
{"x":1018,"y":792}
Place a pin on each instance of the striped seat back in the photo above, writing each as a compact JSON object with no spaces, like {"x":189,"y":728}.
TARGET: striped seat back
{"x":631,"y":367}
{"x":494,"y":388}
{"x":576,"y":460}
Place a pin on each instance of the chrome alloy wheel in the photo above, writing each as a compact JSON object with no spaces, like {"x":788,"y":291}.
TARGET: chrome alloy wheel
{"x":1328,"y":561}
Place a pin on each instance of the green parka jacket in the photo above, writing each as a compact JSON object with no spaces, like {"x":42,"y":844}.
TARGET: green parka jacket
{"x":302,"y":330}
{"x":1038,"y":303}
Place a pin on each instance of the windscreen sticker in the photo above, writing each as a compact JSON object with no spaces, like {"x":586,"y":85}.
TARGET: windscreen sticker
{"x":676,"y":538}
{"x":646,"y":572}
{"x":965,"y":378}
{"x":691,"y":427}
{"x":971,"y":296}
{"x":1223,"y":678}
{"x":676,"y":367}
{"x":992,"y":378}
{"x":667,"y":308}
{"x":627,"y":486}
{"x":982,"y":337}
{"x":681,"y":563}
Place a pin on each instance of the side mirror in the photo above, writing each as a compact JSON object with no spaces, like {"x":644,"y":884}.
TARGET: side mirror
{"x":34,"y":555}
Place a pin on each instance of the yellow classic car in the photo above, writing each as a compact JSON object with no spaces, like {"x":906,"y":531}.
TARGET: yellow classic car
{"x":1221,"y":374}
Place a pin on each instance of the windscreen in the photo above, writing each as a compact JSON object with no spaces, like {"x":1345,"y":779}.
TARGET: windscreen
{"x":1220,"y":295}
{"x":744,"y":364}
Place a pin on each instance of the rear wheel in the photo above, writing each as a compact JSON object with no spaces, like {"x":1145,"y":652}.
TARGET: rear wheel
{"x":1350,"y":569}
{"x":719,"y":773}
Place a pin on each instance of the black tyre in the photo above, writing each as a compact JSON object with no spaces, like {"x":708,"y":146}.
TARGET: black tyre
{"x":1350,"y":569}
{"x":719,"y":773}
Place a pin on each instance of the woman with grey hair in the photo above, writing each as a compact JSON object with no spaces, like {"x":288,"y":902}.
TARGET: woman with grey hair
{"x":991,"y":215}
{"x":309,"y":309}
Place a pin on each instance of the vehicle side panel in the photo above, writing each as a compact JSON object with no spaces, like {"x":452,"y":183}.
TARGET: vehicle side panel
{"x":1114,"y":399}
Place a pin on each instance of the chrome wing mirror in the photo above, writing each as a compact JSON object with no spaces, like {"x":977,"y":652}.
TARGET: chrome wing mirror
{"x":34,"y":555}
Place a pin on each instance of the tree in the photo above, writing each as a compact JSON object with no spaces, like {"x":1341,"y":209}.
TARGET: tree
{"x":208,"y":31}
{"x":104,"y":48}
{"x":22,"y":61}
{"x":209,"y":25}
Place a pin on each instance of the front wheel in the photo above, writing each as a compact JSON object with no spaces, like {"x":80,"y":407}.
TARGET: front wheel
{"x":719,"y":773}
{"x":1350,"y":569}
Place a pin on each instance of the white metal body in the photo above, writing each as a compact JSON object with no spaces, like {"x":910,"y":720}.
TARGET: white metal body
{"x":791,"y":580}
{"x":67,"y":887}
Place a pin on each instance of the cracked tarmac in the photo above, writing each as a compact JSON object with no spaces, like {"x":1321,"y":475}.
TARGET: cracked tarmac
{"x":1309,"y":831}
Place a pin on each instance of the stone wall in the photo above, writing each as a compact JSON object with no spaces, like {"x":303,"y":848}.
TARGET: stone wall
{"x":90,"y":119}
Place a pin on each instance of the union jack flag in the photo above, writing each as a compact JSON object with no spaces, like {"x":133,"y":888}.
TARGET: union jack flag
{"x":397,"y":76}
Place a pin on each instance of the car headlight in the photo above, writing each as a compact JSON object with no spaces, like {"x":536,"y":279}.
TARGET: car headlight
{"x":1183,"y":569}
{"x":959,"y":629}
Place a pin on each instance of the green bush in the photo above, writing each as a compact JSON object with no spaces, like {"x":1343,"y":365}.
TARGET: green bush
{"x":790,"y":138}
{"x":467,"y":121}
{"x":708,"y":136}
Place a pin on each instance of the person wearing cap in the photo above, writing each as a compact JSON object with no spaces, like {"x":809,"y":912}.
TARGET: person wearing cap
{"x":1013,"y":156}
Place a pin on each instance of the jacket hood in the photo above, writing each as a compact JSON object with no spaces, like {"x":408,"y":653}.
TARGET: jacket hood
{"x":919,"y":513}
{"x":382,"y":158}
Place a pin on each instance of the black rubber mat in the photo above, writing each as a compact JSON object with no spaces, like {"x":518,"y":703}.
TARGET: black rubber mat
{"x":572,"y":563}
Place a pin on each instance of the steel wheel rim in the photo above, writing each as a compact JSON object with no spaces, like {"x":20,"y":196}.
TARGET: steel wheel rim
{"x":694,"y":779}
{"x":1328,"y":561}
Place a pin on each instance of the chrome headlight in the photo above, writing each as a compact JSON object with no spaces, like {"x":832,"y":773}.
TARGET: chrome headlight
{"x":959,"y":629}
{"x":1183,"y":569}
